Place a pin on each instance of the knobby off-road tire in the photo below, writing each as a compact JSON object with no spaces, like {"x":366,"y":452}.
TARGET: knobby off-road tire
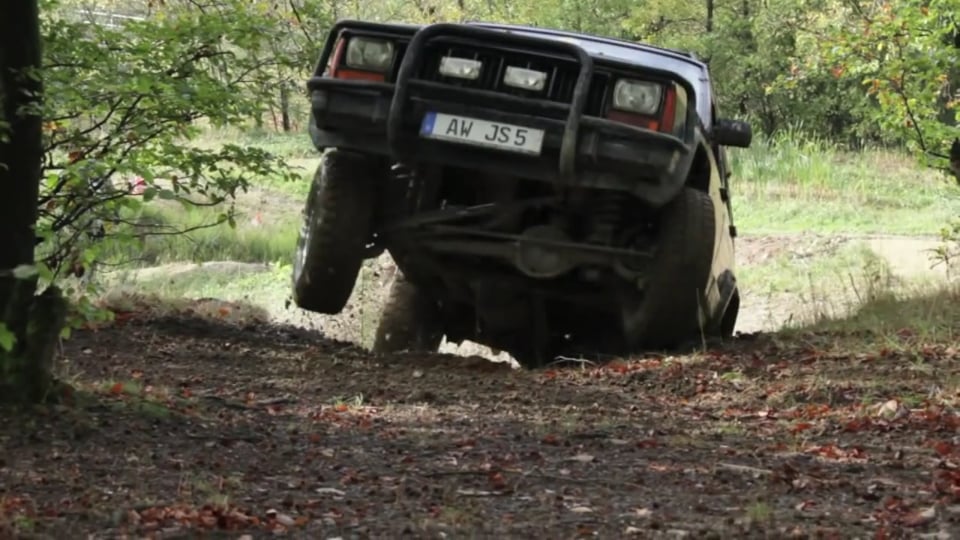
{"x":410,"y":321}
{"x":336,"y":225}
{"x":668,"y":315}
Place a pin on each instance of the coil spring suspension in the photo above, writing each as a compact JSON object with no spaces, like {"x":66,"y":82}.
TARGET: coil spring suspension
{"x":606,"y":217}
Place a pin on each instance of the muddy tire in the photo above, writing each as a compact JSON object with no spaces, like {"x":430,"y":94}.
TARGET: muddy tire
{"x":410,"y":321}
{"x":337,"y":219}
{"x":669,"y":313}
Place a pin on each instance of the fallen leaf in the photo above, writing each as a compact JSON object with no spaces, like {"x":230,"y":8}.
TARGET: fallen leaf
{"x":647,"y":443}
{"x":892,"y":410}
{"x":643,"y":512}
{"x":497,"y":481}
{"x":116,"y":389}
{"x":943,"y":448}
{"x":920,"y":517}
{"x":475,"y":493}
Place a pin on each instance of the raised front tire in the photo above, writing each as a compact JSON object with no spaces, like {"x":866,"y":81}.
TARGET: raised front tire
{"x":410,"y":321}
{"x":670,"y":310}
{"x":336,"y":225}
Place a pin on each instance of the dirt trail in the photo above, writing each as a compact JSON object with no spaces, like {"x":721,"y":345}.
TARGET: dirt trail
{"x":905,"y":260}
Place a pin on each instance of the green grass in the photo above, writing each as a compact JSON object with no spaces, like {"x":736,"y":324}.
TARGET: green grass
{"x":272,"y":240}
{"x":794,"y":184}
{"x":257,"y":284}
{"x":929,"y":313}
{"x":786,"y":274}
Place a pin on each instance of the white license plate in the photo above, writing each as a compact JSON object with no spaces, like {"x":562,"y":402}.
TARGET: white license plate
{"x":482,"y":133}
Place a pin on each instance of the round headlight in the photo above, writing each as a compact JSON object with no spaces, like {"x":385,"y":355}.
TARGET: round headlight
{"x":369,"y":54}
{"x":641,"y":97}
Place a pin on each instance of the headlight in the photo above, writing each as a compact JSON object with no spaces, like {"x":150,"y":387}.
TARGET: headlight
{"x":526,"y":79}
{"x":369,"y":54}
{"x":460,"y":68}
{"x":640,"y":97}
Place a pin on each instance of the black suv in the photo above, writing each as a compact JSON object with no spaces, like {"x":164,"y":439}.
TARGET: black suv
{"x":542,"y":192}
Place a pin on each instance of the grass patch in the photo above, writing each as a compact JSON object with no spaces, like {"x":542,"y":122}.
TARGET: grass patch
{"x":790,"y":274}
{"x":272,"y":238}
{"x":255,"y":284}
{"x":926,"y":313}
{"x":798,"y":184}
{"x":296,"y":149}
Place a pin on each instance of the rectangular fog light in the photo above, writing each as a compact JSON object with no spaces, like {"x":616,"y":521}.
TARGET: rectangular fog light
{"x":527,"y":79}
{"x":460,"y":68}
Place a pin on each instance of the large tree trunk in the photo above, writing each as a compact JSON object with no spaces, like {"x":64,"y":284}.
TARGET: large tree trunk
{"x":33,"y":320}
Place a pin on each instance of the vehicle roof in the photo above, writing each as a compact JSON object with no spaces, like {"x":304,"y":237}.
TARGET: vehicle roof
{"x":630,"y":52}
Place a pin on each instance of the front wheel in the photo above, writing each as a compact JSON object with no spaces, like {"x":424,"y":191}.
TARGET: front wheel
{"x":336,"y":225}
{"x":671,"y":310}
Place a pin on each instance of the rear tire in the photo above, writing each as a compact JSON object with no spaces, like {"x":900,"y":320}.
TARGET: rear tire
{"x":670,"y":311}
{"x":336,"y":225}
{"x":410,"y":321}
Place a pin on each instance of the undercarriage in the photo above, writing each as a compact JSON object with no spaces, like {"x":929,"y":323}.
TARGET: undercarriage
{"x":519,"y":265}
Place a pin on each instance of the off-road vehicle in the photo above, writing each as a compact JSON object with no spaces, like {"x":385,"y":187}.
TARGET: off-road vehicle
{"x":541,"y":192}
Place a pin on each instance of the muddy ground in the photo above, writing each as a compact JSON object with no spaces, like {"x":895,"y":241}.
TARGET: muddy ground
{"x":182,"y":425}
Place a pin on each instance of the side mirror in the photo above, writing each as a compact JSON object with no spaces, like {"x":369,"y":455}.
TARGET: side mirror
{"x":735,"y":133}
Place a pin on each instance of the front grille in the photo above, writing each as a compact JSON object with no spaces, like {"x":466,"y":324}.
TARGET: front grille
{"x":561,"y":74}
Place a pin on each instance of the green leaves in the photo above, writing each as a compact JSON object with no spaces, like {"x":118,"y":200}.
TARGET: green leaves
{"x":7,"y":339}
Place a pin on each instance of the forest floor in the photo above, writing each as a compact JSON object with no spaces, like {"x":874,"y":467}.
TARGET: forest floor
{"x":190,"y":420}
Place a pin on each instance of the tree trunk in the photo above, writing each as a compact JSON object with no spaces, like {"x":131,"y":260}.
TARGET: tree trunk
{"x":709,"y":25}
{"x":26,"y":368}
{"x":285,"y":108}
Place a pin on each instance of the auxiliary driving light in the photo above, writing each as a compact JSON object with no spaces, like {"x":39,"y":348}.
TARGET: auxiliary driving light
{"x":641,"y":97}
{"x":369,"y":54}
{"x":460,"y":68}
{"x":526,"y":79}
